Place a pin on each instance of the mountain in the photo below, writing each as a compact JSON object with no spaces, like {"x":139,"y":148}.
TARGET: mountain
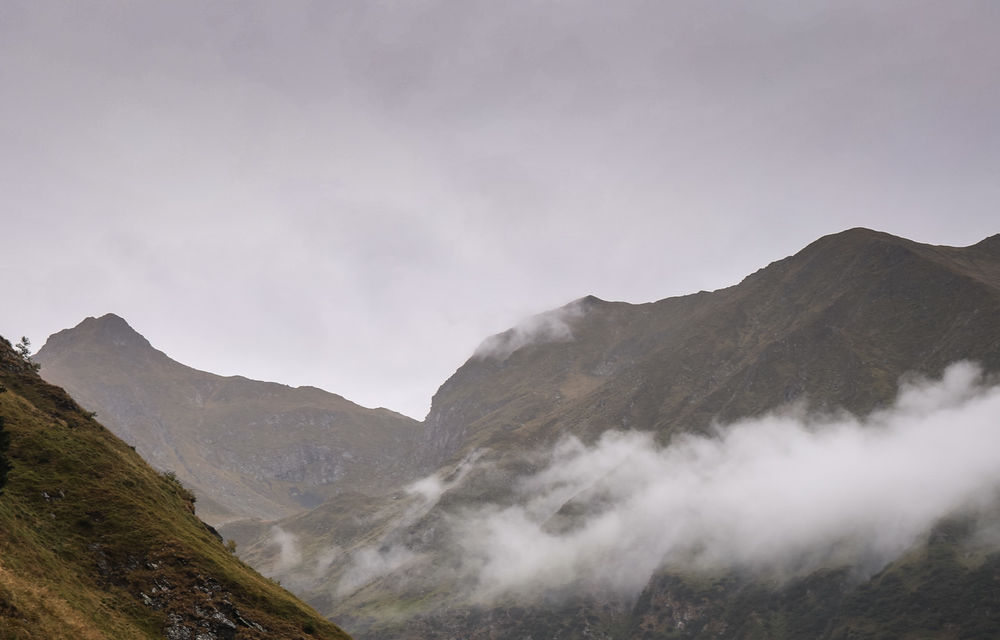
{"x":834,"y":329}
{"x":246,"y":448}
{"x":95,"y":543}
{"x":836,"y":325}
{"x":530,"y":439}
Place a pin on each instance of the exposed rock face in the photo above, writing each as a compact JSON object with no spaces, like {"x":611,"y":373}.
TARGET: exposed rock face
{"x":195,"y":605}
{"x":247,"y":448}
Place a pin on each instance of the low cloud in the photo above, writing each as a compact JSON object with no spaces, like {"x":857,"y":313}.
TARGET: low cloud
{"x":324,"y":560}
{"x":371,"y":563}
{"x":781,"y":494}
{"x":551,"y":326}
{"x":778,"y":496}
{"x":389,"y":554}
{"x":289,"y":554}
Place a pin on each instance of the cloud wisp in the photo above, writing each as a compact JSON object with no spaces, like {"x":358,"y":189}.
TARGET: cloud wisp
{"x":551,"y":326}
{"x":388,"y":554}
{"x":289,"y":553}
{"x":779,"y":494}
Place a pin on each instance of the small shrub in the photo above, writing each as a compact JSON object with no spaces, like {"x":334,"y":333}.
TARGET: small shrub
{"x":23,"y":349}
{"x":178,"y":487}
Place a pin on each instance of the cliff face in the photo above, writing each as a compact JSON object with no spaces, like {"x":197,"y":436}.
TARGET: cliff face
{"x":94,"y":543}
{"x":246,"y":448}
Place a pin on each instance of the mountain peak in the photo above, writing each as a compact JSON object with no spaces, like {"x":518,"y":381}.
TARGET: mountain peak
{"x":991,"y":244}
{"x":107,"y":330}
{"x":109,"y":318}
{"x":110,"y":322}
{"x":857,"y":237}
{"x":315,"y":443}
{"x":588,"y":301}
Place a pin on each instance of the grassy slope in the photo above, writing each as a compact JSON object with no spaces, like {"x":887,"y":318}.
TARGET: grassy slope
{"x":96,"y":544}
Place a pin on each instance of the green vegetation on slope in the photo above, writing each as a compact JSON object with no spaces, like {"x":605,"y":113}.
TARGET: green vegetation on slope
{"x":94,"y":543}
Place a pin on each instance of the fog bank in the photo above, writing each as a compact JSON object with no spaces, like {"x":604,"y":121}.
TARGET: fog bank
{"x":779,"y":494}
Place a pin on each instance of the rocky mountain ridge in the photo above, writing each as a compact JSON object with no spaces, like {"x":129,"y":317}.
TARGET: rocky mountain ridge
{"x":835,"y":325}
{"x":247,"y":448}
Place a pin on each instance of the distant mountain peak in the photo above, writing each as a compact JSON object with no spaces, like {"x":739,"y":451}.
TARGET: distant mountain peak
{"x":108,"y":322}
{"x":244,"y":445}
{"x":107,"y":331}
{"x":857,"y":237}
{"x":588,"y":301}
{"x":858,"y":233}
{"x":109,"y":318}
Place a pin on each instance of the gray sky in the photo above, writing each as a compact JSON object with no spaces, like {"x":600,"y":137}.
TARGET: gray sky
{"x":354,"y":195}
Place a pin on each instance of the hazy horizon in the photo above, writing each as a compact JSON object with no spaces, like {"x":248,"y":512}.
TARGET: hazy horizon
{"x":354,"y":196}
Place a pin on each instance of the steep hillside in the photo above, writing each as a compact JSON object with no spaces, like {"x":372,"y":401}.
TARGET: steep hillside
{"x":836,"y":326}
{"x":94,"y":543}
{"x":246,"y":448}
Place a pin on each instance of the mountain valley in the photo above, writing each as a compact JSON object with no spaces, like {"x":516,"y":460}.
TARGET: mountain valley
{"x":511,"y":511}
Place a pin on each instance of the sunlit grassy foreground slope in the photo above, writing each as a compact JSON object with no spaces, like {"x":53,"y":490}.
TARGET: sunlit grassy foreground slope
{"x":94,"y":543}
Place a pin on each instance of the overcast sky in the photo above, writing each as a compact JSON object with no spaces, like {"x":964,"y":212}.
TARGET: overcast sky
{"x":353,"y":195}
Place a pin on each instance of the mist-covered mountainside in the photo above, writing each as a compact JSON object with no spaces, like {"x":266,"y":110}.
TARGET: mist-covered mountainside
{"x":96,"y":544}
{"x":835,"y":325}
{"x":813,"y":452}
{"x":246,"y":448}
